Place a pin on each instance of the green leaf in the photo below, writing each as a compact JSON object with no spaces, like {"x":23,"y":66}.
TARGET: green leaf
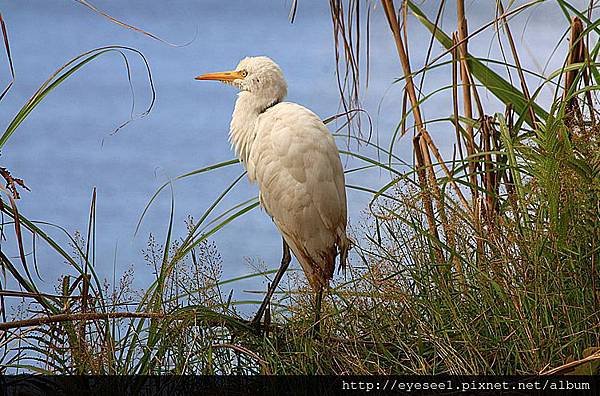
{"x":501,"y":88}
{"x":65,"y":72}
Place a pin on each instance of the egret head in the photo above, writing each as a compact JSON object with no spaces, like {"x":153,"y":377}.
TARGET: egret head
{"x":258,"y":75}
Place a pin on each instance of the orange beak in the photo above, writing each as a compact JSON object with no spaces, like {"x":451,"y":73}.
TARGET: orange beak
{"x":221,"y":76}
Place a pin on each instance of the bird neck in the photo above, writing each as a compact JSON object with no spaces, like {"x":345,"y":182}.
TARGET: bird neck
{"x":248,"y":107}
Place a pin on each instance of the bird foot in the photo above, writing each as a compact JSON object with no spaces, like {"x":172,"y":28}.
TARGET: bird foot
{"x":315,"y":328}
{"x":263,"y":311}
{"x":256,"y":326}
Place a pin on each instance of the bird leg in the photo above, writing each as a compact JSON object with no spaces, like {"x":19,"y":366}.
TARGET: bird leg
{"x":317,"y":325}
{"x":285,"y":262}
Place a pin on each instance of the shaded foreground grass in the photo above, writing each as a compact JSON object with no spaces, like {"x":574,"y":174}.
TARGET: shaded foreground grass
{"x":484,"y":263}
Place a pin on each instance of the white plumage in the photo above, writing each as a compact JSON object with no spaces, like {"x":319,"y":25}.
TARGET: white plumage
{"x":298,"y":170}
{"x":292,"y":156}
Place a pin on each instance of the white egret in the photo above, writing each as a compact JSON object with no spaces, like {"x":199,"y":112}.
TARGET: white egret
{"x":292,"y":156}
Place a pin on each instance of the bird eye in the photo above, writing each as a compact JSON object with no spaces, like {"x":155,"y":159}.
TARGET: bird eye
{"x":244,"y":73}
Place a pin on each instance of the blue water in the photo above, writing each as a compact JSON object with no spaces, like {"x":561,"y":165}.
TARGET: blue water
{"x":65,"y":148}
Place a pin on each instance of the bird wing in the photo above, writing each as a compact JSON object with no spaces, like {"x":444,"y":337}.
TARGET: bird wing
{"x":297,"y":166}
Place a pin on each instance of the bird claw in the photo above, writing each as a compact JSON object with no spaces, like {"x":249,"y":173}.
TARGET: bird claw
{"x":256,"y":326}
{"x":259,"y":327}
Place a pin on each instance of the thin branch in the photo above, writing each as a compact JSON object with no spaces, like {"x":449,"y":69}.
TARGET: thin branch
{"x":562,"y":369}
{"x":73,"y":317}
